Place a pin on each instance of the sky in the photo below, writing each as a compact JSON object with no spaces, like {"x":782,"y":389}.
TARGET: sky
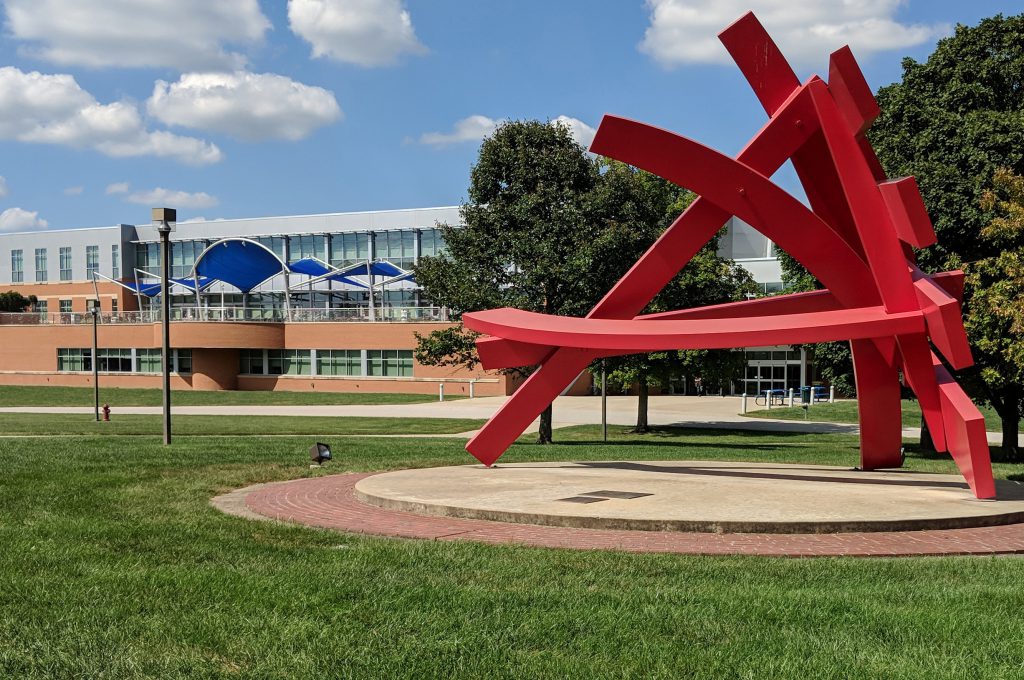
{"x":254,"y":108}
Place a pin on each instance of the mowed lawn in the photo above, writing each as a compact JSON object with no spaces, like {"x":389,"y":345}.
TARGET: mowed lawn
{"x":26,"y":395}
{"x":114,"y":564}
{"x":845,"y":411}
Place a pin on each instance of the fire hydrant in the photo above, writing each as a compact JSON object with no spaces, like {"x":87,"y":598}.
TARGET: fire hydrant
{"x":106,"y":413}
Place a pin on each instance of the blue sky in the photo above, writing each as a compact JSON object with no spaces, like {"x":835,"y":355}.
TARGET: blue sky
{"x":248,"y":108}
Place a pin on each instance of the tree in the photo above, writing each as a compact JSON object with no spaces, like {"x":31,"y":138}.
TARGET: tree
{"x":633,"y":208}
{"x":995,"y":318}
{"x":952,"y":122}
{"x":526,"y":241}
{"x":13,"y":301}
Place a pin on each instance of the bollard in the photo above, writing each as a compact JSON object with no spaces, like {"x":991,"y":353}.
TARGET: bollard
{"x":440,"y":392}
{"x":472,"y":384}
{"x":768,"y":400}
{"x":743,"y":403}
{"x":831,"y":394}
{"x":791,"y":397}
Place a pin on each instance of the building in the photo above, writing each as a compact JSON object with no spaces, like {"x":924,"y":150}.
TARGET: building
{"x":331,"y":333}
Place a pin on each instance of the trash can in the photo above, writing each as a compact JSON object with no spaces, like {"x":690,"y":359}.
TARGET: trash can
{"x":805,"y":395}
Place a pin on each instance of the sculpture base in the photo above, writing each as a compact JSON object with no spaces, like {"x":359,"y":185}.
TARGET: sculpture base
{"x":694,"y":496}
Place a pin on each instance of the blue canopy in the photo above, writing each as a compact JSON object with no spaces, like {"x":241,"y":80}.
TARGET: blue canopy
{"x":147,"y":289}
{"x":204,"y":283}
{"x":382,"y":268}
{"x":243,"y":263}
{"x":310,"y":266}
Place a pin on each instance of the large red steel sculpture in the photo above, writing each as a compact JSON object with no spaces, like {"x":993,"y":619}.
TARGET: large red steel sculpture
{"x":857,"y":239}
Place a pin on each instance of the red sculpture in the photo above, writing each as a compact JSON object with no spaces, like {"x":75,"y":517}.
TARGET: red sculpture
{"x":857,"y":239}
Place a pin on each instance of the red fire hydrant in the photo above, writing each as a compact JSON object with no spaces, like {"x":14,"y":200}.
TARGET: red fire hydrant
{"x":106,"y":413}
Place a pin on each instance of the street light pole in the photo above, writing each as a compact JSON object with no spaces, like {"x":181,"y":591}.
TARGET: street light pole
{"x":604,"y":402}
{"x":95,"y":359}
{"x":164,"y":218}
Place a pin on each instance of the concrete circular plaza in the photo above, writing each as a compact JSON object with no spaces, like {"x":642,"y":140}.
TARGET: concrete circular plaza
{"x":689,"y":507}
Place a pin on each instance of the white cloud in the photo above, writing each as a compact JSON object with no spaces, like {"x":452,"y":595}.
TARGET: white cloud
{"x":685,"y":31}
{"x":117,"y":188}
{"x":16,"y":219}
{"x":363,"y":32}
{"x":74,"y":191}
{"x":3,"y":186}
{"x":475,"y":128}
{"x":580,"y":131}
{"x":172,"y":199}
{"x":180,"y":34}
{"x":470,"y":129}
{"x":53,"y":109}
{"x":250,"y":106}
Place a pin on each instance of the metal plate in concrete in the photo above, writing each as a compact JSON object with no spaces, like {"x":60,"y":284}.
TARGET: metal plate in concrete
{"x":695,"y":496}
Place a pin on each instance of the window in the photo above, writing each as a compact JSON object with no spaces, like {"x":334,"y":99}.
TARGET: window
{"x":113,"y":305}
{"x":41,"y":268}
{"x":65,"y":264}
{"x":182,"y":361}
{"x":74,"y":359}
{"x":288,"y":362}
{"x":398,"y":247}
{"x":339,"y":362}
{"x":114,"y":360}
{"x":431,"y":243}
{"x":147,"y":257}
{"x":17,"y":266}
{"x":274,"y":243}
{"x":41,"y":307}
{"x":115,"y":262}
{"x":92,"y":261}
{"x":65,"y":306}
{"x":395,"y":363}
{"x":349,"y":249}
{"x":183,"y":257}
{"x":250,"y":362}
{"x":149,"y":360}
{"x":307,"y":245}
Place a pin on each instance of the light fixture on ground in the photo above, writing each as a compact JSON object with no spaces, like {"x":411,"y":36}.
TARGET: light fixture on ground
{"x":318,"y":453}
{"x":164,"y":219}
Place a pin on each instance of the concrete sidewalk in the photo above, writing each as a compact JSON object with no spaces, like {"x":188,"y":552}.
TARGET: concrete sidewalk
{"x":705,"y":412}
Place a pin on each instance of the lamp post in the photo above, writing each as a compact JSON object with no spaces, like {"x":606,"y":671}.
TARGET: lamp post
{"x":164,"y":219}
{"x":95,"y":310}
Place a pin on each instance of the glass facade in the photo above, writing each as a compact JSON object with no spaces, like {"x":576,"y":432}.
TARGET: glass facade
{"x":395,"y":363}
{"x":397,"y":247}
{"x":307,"y":245}
{"x":92,"y":261}
{"x":339,"y":362}
{"x":65,"y":263}
{"x":41,"y":268}
{"x":431,"y":243}
{"x":347,"y":249}
{"x":288,"y":362}
{"x":115,"y":261}
{"x":274,"y":243}
{"x":17,"y":266}
{"x":183,"y":257}
{"x":147,"y":257}
{"x":122,"y":360}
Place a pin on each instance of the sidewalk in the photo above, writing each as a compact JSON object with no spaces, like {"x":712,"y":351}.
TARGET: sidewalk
{"x":706,"y":412}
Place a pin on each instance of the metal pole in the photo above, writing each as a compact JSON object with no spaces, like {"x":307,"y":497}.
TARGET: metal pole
{"x":604,"y":402}
{"x":165,"y":309}
{"x":95,"y":361}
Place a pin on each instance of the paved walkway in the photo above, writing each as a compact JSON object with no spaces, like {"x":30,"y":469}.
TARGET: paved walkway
{"x":329,"y":502}
{"x":709,"y":412}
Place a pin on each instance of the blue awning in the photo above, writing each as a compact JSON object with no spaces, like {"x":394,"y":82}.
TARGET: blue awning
{"x":147,"y":289}
{"x":310,"y":266}
{"x":243,"y":263}
{"x":204,"y":283}
{"x":381,"y":268}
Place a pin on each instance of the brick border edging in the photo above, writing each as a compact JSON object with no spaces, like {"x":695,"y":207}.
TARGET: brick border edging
{"x":330,"y":503}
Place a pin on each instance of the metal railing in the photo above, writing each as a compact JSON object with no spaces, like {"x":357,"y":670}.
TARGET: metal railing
{"x":229,"y":314}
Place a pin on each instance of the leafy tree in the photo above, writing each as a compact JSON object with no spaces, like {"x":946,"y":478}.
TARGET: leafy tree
{"x":952,"y":122}
{"x":526,"y":241}
{"x":13,"y":301}
{"x":995,"y":317}
{"x":633,"y":208}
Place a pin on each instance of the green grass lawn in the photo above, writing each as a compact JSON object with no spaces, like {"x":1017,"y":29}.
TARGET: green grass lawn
{"x":113,"y":564}
{"x":25,"y":395}
{"x":846,"y":412}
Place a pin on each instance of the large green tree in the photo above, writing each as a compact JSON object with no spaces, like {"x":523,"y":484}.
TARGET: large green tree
{"x":13,"y":301}
{"x":526,"y":239}
{"x":633,"y":208}
{"x":952,"y":122}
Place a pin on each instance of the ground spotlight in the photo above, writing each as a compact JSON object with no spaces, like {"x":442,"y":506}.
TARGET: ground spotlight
{"x":318,"y":453}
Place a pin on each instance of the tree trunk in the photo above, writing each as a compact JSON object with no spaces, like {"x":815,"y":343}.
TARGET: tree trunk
{"x":1007,"y":405}
{"x":544,"y":434}
{"x":927,"y":445}
{"x":641,"y":407}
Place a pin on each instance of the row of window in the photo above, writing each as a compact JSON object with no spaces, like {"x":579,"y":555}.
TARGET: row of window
{"x":122,"y":360}
{"x":340,"y":250}
{"x":92,"y":263}
{"x":396,"y":363}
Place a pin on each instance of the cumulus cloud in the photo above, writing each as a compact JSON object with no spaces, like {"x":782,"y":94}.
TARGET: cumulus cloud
{"x":685,"y":31}
{"x":580,"y":131}
{"x":363,"y":32}
{"x":53,"y":109}
{"x":180,"y":34}
{"x":475,"y":128}
{"x":249,"y":106}
{"x":117,"y":188}
{"x":74,"y":191}
{"x":16,"y":219}
{"x":172,"y":198}
{"x":3,"y":186}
